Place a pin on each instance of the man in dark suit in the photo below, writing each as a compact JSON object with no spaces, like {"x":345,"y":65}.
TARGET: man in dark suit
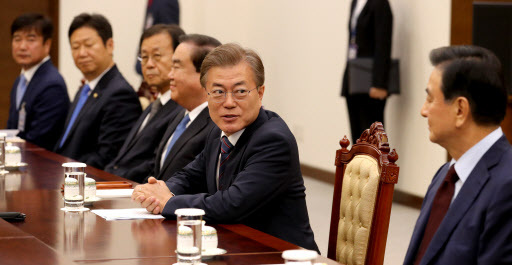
{"x":370,"y":27}
{"x":176,"y":151}
{"x":249,"y":171}
{"x":465,"y":216}
{"x":39,"y":98}
{"x":135,"y":159}
{"x":106,"y":107}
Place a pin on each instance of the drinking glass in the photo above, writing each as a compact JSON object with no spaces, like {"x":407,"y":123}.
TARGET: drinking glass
{"x":2,"y":154}
{"x":74,"y":173}
{"x":189,"y":223}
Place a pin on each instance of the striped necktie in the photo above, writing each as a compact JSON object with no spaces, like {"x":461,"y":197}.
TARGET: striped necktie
{"x":225,"y":149}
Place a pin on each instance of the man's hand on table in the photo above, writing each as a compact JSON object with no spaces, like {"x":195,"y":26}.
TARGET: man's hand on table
{"x":153,"y":196}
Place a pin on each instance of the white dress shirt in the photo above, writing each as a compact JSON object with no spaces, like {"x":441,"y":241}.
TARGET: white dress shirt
{"x":467,"y":162}
{"x":192,"y":115}
{"x":233,"y":139}
{"x":29,"y":73}
{"x":164,"y":98}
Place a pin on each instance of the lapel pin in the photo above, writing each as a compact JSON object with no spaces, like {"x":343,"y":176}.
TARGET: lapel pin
{"x":95,"y":95}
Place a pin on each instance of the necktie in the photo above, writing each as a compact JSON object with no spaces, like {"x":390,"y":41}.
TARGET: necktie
{"x":20,"y":90}
{"x":440,"y":206}
{"x":177,"y":133}
{"x":155,"y":107}
{"x":81,"y":101}
{"x":225,"y":149}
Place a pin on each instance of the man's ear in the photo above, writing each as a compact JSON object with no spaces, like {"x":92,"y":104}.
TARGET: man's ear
{"x":47,"y":44}
{"x":110,"y":46}
{"x":462,"y":111}
{"x":261,"y":91}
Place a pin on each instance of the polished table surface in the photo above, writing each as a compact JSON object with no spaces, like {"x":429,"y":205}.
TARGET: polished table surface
{"x":51,"y":236}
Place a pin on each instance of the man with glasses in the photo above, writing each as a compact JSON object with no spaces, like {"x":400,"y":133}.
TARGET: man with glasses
{"x":186,"y":135}
{"x":249,"y":170}
{"x":135,"y":160}
{"x":106,"y":106}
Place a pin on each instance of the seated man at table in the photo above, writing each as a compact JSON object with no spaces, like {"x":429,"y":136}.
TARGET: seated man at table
{"x":186,"y":135}
{"x":465,"y":216}
{"x":39,"y":97}
{"x":135,"y":159}
{"x":106,"y":107}
{"x":249,"y":170}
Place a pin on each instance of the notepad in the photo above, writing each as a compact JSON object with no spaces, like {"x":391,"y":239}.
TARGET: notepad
{"x":126,"y":214}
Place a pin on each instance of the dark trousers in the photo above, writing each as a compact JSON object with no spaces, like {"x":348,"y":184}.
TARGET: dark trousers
{"x":363,"y":111}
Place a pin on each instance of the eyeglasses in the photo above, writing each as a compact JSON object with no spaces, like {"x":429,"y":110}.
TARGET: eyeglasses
{"x":219,"y":95}
{"x":143,"y":59}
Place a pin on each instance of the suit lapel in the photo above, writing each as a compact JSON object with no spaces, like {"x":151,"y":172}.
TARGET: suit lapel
{"x":213,"y":155}
{"x":419,"y":229}
{"x":166,"y":109}
{"x":161,"y":147}
{"x":465,"y":198}
{"x":133,"y":136}
{"x":33,"y":81}
{"x":230,"y":171}
{"x":195,"y":127}
{"x":94,"y":96}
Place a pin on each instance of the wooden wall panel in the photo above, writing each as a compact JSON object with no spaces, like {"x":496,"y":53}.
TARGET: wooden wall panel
{"x":461,"y":33}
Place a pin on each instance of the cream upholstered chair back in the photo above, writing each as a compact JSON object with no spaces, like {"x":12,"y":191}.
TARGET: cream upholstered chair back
{"x":363,"y":192}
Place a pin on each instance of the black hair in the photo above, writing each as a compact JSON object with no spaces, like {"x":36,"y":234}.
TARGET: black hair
{"x":41,"y":24}
{"x":94,"y":21}
{"x":203,"y":45}
{"x":474,"y":73}
{"x":174,"y":31}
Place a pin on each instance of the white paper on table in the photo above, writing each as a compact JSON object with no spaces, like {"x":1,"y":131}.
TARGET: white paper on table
{"x":126,"y":214}
{"x":114,"y":193}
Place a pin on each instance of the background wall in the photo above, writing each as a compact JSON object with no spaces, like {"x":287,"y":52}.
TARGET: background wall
{"x":126,"y":18}
{"x":303,"y":46}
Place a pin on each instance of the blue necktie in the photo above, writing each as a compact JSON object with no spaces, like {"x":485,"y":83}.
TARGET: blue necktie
{"x":177,"y":133}
{"x":81,"y":101}
{"x":225,"y":149}
{"x":20,"y":91}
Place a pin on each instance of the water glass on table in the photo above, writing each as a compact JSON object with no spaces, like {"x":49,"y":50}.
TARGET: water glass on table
{"x":2,"y":153}
{"x":74,"y":175}
{"x":189,"y":227}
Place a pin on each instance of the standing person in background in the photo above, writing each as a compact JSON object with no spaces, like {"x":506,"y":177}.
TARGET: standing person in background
{"x":106,"y":107}
{"x":370,"y":27}
{"x":39,"y":98}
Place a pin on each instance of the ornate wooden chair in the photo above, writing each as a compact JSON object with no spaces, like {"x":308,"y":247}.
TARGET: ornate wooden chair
{"x":363,"y":192}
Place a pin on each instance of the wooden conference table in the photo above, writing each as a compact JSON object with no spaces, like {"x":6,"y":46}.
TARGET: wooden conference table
{"x":51,"y":236}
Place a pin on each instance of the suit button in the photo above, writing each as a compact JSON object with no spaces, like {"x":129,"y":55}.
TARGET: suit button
{"x":116,"y":167}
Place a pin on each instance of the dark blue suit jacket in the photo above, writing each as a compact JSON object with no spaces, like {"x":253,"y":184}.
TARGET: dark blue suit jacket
{"x":46,"y":106}
{"x":103,"y":123}
{"x":135,"y":160}
{"x":477,"y":228}
{"x":186,"y":148}
{"x":262,"y":185}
